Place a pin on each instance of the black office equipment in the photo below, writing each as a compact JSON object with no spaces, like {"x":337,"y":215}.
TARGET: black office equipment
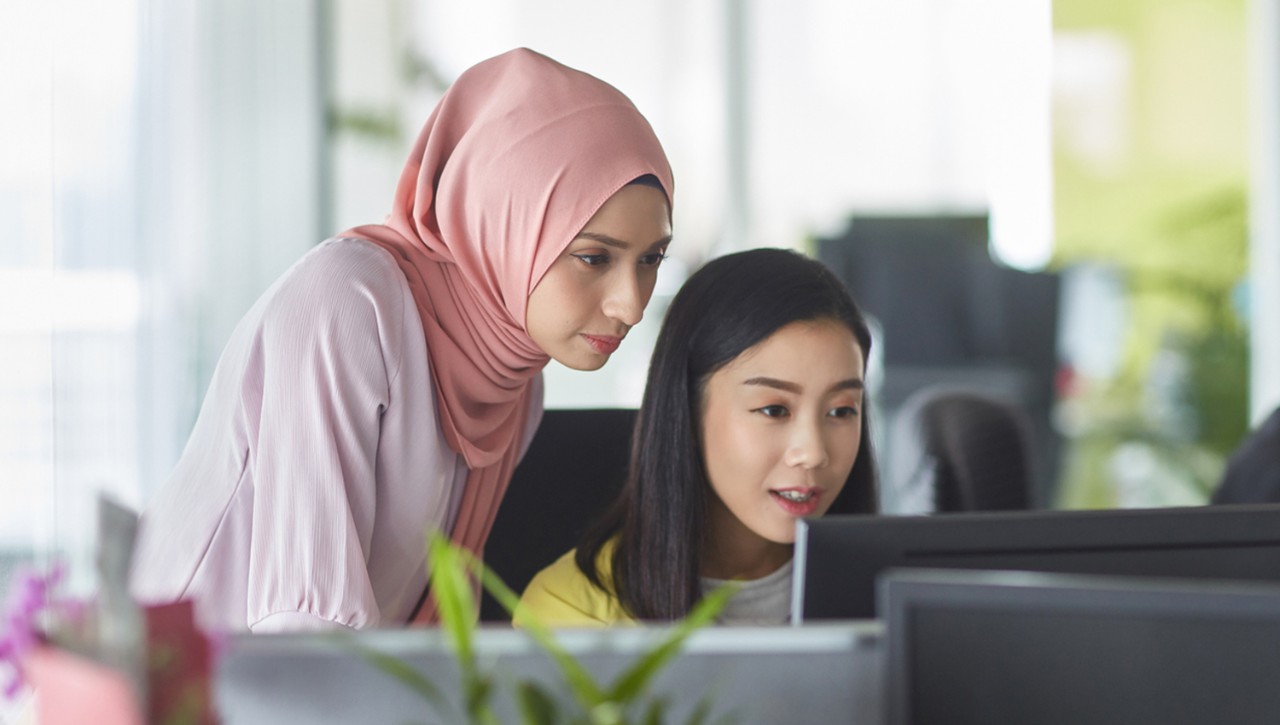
{"x":999,"y":647}
{"x":574,"y":468}
{"x":1253,"y":470}
{"x":839,"y":557}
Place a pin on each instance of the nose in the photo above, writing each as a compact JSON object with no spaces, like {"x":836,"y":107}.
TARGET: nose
{"x":626,"y":299}
{"x":807,"y":448}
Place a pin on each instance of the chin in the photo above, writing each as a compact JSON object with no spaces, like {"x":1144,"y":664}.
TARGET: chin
{"x":778,"y":535}
{"x":582,"y":365}
{"x":787,"y":534}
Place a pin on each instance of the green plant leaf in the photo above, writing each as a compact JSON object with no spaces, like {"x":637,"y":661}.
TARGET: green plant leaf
{"x":606,"y":713}
{"x":479,"y":689}
{"x":536,"y":706}
{"x":702,"y":712}
{"x":408,"y":675}
{"x":453,"y":596}
{"x":584,"y":687}
{"x":450,"y":566}
{"x":452,"y":591}
{"x":656,"y":713}
{"x":636,"y":678}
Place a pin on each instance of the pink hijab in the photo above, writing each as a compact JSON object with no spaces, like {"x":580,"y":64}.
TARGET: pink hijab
{"x":519,"y":154}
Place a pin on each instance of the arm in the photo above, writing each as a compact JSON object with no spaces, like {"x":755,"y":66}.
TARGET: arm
{"x":325,"y":358}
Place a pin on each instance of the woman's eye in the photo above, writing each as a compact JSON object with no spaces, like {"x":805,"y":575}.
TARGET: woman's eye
{"x":593,"y":260}
{"x":844,"y":411}
{"x":773,"y":411}
{"x":653,"y":260}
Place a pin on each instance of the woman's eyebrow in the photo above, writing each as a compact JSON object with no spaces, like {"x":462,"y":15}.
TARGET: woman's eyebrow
{"x":609,"y":241}
{"x":850,"y":384}
{"x":774,"y":383}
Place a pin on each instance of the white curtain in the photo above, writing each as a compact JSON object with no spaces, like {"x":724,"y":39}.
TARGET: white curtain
{"x":230,"y":151}
{"x":160,"y":163}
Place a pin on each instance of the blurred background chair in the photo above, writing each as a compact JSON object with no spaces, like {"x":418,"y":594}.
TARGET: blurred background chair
{"x":952,"y":449}
{"x":574,"y":469}
{"x":952,"y":315}
{"x":1253,"y":471}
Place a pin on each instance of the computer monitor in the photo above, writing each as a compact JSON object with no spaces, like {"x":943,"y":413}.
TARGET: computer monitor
{"x":839,"y":557}
{"x":1002,"y":647}
{"x":823,"y":674}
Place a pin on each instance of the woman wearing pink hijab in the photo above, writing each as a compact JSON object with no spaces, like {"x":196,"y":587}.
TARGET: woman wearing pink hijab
{"x":389,"y":382}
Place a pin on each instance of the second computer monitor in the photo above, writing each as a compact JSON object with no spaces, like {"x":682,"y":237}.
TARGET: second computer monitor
{"x":972,"y":647}
{"x":838,"y":558}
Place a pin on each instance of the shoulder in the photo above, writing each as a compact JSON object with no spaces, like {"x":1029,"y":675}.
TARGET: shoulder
{"x":345,"y":296}
{"x":562,"y":596}
{"x":340,"y":271}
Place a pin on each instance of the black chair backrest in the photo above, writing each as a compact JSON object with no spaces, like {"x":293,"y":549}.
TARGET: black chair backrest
{"x":981,"y":447}
{"x":573,"y":470}
{"x":1253,"y":471}
{"x":954,"y":449}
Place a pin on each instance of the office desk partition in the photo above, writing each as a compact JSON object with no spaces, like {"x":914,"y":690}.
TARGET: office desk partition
{"x":821,"y":674}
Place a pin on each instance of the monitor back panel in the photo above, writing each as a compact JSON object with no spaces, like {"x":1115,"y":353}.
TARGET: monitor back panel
{"x":840,"y":557}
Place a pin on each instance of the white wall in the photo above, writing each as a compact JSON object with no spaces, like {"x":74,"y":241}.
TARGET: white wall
{"x":867,"y":106}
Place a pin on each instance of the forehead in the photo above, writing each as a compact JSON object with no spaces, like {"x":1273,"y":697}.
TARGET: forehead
{"x":813,"y":353}
{"x":643,"y":209}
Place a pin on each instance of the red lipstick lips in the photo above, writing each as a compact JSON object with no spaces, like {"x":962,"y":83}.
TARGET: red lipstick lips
{"x":603,"y":344}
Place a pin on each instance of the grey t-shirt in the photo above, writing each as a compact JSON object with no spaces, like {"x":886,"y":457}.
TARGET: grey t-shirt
{"x":766,"y":600}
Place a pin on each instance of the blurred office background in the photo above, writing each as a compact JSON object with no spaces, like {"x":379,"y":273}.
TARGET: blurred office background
{"x":1070,"y":205}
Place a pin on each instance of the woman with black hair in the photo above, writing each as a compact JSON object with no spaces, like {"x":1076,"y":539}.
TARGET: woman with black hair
{"x":752,"y":418}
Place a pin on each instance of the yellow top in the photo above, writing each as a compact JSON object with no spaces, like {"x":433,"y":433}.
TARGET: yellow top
{"x":561,"y":596}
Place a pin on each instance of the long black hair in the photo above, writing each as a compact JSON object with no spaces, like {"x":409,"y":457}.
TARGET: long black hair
{"x":729,"y":305}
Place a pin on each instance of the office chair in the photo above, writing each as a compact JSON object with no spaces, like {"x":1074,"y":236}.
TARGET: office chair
{"x":958,"y":450}
{"x":574,"y":468}
{"x":1253,"y":470}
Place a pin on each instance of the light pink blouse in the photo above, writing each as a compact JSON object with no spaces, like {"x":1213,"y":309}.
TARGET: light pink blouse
{"x":317,"y":464}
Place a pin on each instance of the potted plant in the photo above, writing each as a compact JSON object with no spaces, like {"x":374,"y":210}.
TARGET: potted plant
{"x":626,"y":699}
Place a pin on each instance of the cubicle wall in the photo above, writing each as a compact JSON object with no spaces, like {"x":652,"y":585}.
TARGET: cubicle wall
{"x":953,"y":646}
{"x":824,"y":674}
